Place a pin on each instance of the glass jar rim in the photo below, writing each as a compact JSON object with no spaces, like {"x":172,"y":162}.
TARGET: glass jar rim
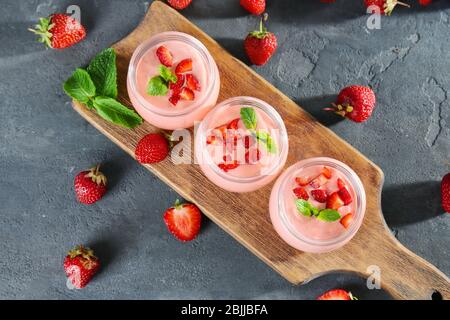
{"x":244,"y":101}
{"x":356,"y":184}
{"x":160,"y":38}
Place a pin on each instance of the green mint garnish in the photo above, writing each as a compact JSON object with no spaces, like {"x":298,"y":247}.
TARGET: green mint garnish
{"x":248,"y":116}
{"x":103,"y":72}
{"x":167,"y":75}
{"x":80,"y":86}
{"x":112,"y":110}
{"x":157,"y":86}
{"x":308,"y":210}
{"x":267,"y":140}
{"x":97,"y":88}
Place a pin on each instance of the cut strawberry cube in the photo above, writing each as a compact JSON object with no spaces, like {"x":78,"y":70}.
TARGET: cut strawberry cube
{"x":249,"y":141}
{"x":302,"y":181}
{"x":334,"y":201}
{"x":212,"y":139}
{"x":319,"y":195}
{"x":164,"y":56}
{"x":174,"y":99}
{"x":327,"y":172}
{"x":318,"y":181}
{"x":192,"y":82}
{"x":252,"y":156}
{"x":344,"y":194}
{"x":177,"y":85}
{"x":233,"y":125}
{"x":340,"y":183}
{"x":228,"y":166}
{"x":187,"y":94}
{"x":301,"y":193}
{"x":347,"y":220}
{"x":184,"y":66}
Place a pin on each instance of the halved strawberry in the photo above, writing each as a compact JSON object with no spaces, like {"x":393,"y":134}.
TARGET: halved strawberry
{"x":301,"y":193}
{"x":164,"y":56}
{"x":252,"y":156}
{"x":184,"y":66}
{"x":302,"y":181}
{"x":320,"y":180}
{"x":340,"y":183}
{"x":212,"y":139}
{"x":347,"y":220}
{"x":228,"y":166}
{"x":327,"y":172}
{"x":174,"y":98}
{"x":337,"y":294}
{"x":319,"y":195}
{"x":334,"y":201}
{"x":187,"y":94}
{"x":183,"y":220}
{"x":344,"y":194}
{"x":192,"y":82}
{"x":233,"y":125}
{"x":177,"y":85}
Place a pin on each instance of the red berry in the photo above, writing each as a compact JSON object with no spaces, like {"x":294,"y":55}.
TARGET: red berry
{"x":184,"y":66}
{"x":252,"y":156}
{"x":212,"y":139}
{"x":319,"y":181}
{"x":183,"y":221}
{"x":174,"y":98}
{"x":337,"y":294}
{"x":179,"y":4}
{"x":255,"y":7}
{"x":152,"y":148}
{"x":334,"y":201}
{"x":192,"y":82}
{"x":301,"y":193}
{"x":319,"y":195}
{"x":187,"y":94}
{"x":248,"y":141}
{"x":327,"y":172}
{"x":80,"y":265}
{"x":90,"y":186}
{"x":228,"y":166}
{"x":344,"y":194}
{"x":445,"y":192}
{"x":260,"y":45}
{"x":340,"y":183}
{"x":347,"y":220}
{"x":302,"y":181}
{"x":176,"y":87}
{"x":425,"y":2}
{"x":164,"y":56}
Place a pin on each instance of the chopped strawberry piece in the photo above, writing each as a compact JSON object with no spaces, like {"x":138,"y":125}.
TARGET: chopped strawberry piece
{"x":192,"y":82}
{"x":318,"y":181}
{"x":187,"y":94}
{"x":211,"y":139}
{"x":344,"y":194}
{"x":302,"y":181}
{"x":252,"y":156}
{"x":228,"y":166}
{"x":327,"y":172}
{"x":334,"y":201}
{"x":340,"y":183}
{"x":337,"y":294}
{"x":319,"y":195}
{"x":223,"y":131}
{"x":184,"y":66}
{"x":183,"y":221}
{"x":347,"y":220}
{"x":248,"y":141}
{"x":301,"y":193}
{"x":177,"y":85}
{"x":164,"y":56}
{"x":233,"y":125}
{"x":174,"y":98}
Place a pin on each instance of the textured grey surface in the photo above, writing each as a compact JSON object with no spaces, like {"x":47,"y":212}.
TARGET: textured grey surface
{"x":44,"y":143}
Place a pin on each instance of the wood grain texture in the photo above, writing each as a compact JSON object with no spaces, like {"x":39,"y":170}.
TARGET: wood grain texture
{"x":403,"y":274}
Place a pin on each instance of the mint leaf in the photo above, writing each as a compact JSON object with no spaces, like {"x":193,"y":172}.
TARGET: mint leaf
{"x":103,"y":72}
{"x":80,"y":86}
{"x":157,"y":86}
{"x":328,"y":215}
{"x":248,"y":116}
{"x":167,"y":75}
{"x":116,"y":112}
{"x":304,"y":207}
{"x":267,"y":140}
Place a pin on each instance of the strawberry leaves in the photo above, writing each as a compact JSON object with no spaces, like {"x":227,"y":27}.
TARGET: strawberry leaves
{"x":80,"y":86}
{"x":249,"y":118}
{"x":103,"y":72}
{"x":115,"y":112}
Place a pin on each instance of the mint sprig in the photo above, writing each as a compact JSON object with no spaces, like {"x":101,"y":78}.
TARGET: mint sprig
{"x":159,"y":85}
{"x":249,"y":118}
{"x":308,"y":210}
{"x":96,"y":87}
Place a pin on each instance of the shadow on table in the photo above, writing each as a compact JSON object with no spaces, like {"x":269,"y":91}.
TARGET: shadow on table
{"x":315,"y":105}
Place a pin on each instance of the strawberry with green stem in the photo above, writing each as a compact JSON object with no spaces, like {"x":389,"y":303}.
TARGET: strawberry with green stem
{"x":80,"y":266}
{"x":260,"y":45}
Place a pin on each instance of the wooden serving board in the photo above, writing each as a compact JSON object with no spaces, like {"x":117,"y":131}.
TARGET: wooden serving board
{"x":246,"y":216}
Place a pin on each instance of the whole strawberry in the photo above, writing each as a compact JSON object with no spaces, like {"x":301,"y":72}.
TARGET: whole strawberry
{"x":255,"y":7}
{"x":445,"y":193}
{"x":179,"y":4}
{"x":337,"y":294}
{"x":152,"y":148}
{"x":355,"y":102}
{"x":80,"y":266}
{"x":59,"y":31}
{"x":425,"y":2}
{"x":260,"y":45}
{"x":183,"y":220}
{"x":90,"y":186}
{"x":386,"y":6}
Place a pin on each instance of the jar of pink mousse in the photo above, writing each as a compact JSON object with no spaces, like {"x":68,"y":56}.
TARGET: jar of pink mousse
{"x":310,"y":234}
{"x":158,"y":110}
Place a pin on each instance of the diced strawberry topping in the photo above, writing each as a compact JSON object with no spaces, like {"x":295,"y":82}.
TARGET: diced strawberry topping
{"x":164,"y":56}
{"x":318,"y":181}
{"x":252,"y":156}
{"x":192,"y":82}
{"x":301,"y":193}
{"x":327,"y":172}
{"x":212,"y":139}
{"x":340,"y":183}
{"x":177,"y":85}
{"x":319,"y":195}
{"x":233,"y":125}
{"x":174,"y":98}
{"x":334,"y":201}
{"x":347,"y":220}
{"x":187,"y":94}
{"x":302,"y":181}
{"x":184,"y":66}
{"x":344,"y":194}
{"x":248,"y":141}
{"x":228,"y":166}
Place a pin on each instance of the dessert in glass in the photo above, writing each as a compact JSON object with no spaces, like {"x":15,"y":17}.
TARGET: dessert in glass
{"x":242,"y":144}
{"x":172,"y":80}
{"x":317,"y":205}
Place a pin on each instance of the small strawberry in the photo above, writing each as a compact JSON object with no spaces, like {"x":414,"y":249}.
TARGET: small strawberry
{"x":233,"y":125}
{"x":174,"y":98}
{"x":386,"y":6}
{"x":337,"y":294}
{"x":260,"y":45}
{"x":184,"y":66}
{"x":152,"y":148}
{"x":187,"y":94}
{"x":302,"y":181}
{"x":177,"y":85}
{"x":319,"y":195}
{"x":192,"y":82}
{"x":164,"y":56}
{"x":301,"y":193}
{"x":334,"y":201}
{"x":183,"y":220}
{"x":445,"y":192}
{"x":319,"y":181}
{"x":346,"y":220}
{"x":344,"y":194}
{"x":80,"y":266}
{"x":355,"y":102}
{"x":179,"y":4}
{"x":340,"y":183}
{"x":255,"y":7}
{"x":90,"y":186}
{"x":59,"y":31}
{"x":327,"y":172}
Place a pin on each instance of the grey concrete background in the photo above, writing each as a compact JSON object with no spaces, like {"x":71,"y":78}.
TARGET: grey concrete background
{"x":323,"y":47}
